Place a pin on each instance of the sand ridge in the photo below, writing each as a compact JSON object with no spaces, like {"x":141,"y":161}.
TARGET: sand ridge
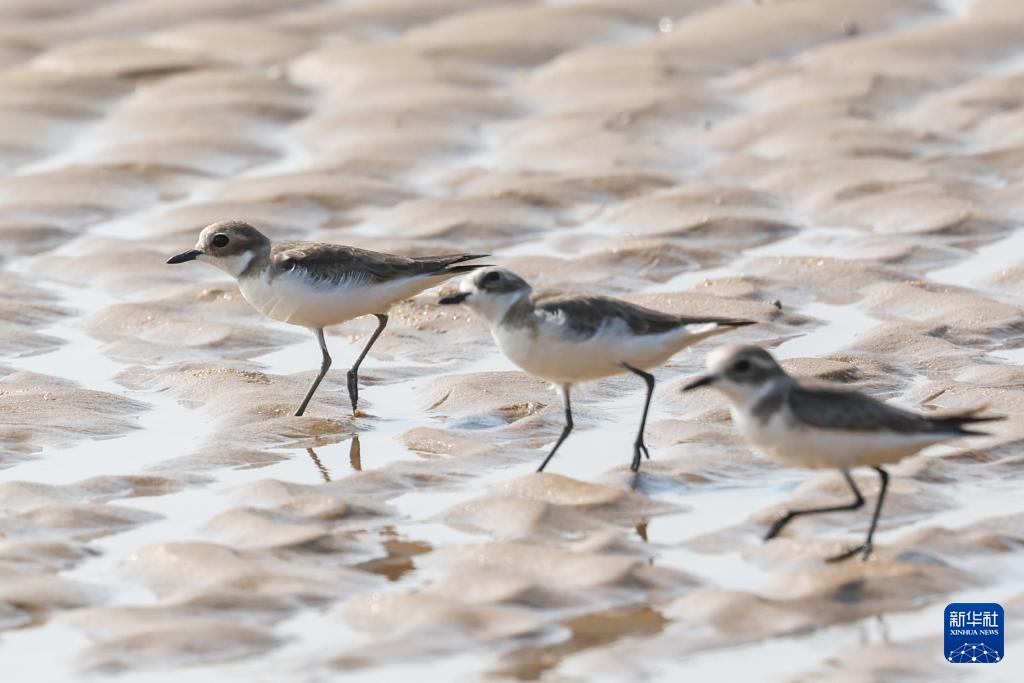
{"x":848,"y":174}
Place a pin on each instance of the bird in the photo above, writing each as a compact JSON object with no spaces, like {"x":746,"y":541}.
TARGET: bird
{"x":822,"y":427}
{"x":569,"y":338}
{"x":314,"y":284}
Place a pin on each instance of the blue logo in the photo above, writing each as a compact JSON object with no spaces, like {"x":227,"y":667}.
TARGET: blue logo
{"x":974,"y":633}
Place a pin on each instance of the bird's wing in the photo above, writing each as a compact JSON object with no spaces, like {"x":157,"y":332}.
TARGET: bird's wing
{"x":584,"y":314}
{"x":336,"y":262}
{"x":854,"y":411}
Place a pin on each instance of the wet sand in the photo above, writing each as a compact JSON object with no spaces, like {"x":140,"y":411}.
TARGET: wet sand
{"x":858,"y":163}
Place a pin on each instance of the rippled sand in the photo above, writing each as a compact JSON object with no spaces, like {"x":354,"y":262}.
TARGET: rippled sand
{"x":858,"y":163}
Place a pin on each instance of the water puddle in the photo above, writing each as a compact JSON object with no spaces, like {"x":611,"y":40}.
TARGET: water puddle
{"x":394,"y":527}
{"x":987,"y":261}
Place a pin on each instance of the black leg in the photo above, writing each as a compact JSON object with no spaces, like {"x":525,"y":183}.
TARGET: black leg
{"x":353,"y":373}
{"x":565,"y":430}
{"x":790,"y":515}
{"x":640,"y":447}
{"x":324,"y":367}
{"x":866,"y":546}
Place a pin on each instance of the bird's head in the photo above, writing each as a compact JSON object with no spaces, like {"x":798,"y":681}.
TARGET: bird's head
{"x":490,"y":292}
{"x":739,"y":372}
{"x":228,"y":245}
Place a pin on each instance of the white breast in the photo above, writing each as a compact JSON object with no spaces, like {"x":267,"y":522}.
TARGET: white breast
{"x":550,"y":350}
{"x":799,"y":445}
{"x":552,"y":356}
{"x":293,"y":298}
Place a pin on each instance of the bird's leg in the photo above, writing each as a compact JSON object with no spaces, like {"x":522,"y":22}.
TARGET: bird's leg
{"x":325,"y":365}
{"x":353,"y":373}
{"x":790,"y":515}
{"x":639,"y":446}
{"x":866,"y":546}
{"x":565,"y":430}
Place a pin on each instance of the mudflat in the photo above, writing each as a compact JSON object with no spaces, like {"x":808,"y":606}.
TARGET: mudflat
{"x":849,"y":174}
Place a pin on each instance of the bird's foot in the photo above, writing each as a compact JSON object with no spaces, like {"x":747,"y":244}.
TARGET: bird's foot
{"x":777,"y":526}
{"x":866,"y":548}
{"x":353,"y":391}
{"x":639,"y":448}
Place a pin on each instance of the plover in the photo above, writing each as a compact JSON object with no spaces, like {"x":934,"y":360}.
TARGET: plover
{"x":814,"y":427}
{"x":569,"y":338}
{"x":314,"y":285}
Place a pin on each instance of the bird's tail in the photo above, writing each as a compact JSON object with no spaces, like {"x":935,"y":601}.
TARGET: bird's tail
{"x":698,"y":329}
{"x":459,"y":258}
{"x":466,"y":269}
{"x":720,"y":322}
{"x":446,"y":264}
{"x":732,"y":322}
{"x":954,"y":424}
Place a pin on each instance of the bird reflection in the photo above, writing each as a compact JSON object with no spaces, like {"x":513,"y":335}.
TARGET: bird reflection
{"x":400,"y":552}
{"x":354,"y":457}
{"x":324,"y":472}
{"x":879,"y":635}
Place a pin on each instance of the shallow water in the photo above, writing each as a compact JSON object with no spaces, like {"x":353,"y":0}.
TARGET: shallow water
{"x":837,"y":160}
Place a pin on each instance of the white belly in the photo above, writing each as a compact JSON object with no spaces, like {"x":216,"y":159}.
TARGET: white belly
{"x":801,"y":446}
{"x":547,"y":351}
{"x":294,"y":299}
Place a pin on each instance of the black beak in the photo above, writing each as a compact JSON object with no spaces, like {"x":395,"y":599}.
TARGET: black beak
{"x":454,"y":299}
{"x":189,"y":255}
{"x":702,"y":381}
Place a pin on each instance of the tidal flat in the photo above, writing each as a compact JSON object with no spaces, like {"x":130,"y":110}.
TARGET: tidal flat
{"x":848,"y":174}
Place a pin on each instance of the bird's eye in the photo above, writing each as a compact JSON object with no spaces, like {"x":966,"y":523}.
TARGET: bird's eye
{"x":492,"y":276}
{"x":220,"y":240}
{"x":741,"y":366}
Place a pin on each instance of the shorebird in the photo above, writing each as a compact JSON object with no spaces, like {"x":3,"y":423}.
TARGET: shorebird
{"x":313,"y":285}
{"x":817,"y":427}
{"x":570,"y":338}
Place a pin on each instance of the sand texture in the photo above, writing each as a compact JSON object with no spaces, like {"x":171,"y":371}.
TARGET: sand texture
{"x":850,"y":174}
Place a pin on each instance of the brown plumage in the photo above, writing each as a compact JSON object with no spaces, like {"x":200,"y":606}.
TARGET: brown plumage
{"x":854,"y":411}
{"x":571,"y":338}
{"x":314,"y":284}
{"x":333,"y":263}
{"x":585,"y":314}
{"x":814,"y":427}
